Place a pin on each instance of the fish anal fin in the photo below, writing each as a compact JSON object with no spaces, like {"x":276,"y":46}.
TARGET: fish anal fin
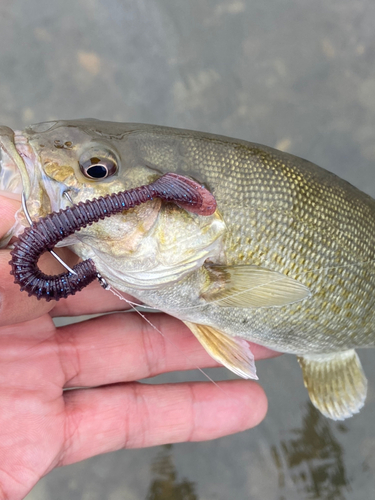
{"x":336,"y":383}
{"x":250,"y":286}
{"x":232,"y":352}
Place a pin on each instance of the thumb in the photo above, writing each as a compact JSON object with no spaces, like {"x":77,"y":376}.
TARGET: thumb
{"x":9,"y":204}
{"x":16,"y":306}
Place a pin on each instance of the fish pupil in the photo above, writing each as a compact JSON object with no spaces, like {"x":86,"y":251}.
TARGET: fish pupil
{"x":97,"y":171}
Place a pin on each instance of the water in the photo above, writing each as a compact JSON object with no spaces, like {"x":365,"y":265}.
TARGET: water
{"x":293,"y":74}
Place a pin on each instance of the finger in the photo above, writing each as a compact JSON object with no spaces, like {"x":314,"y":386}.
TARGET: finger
{"x":91,"y":300}
{"x":10,"y":195}
{"x":136,"y":415}
{"x":12,"y":303}
{"x":8,"y":208}
{"x":125,"y":347}
{"x":17,"y":306}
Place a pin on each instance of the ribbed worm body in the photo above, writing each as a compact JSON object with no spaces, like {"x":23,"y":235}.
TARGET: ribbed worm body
{"x":44,"y":234}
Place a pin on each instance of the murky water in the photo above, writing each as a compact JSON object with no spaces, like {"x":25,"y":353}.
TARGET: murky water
{"x":293,"y":74}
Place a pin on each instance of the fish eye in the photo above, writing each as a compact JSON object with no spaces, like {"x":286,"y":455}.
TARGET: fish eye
{"x":98,"y":166}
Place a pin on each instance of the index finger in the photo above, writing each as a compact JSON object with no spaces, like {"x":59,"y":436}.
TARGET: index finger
{"x":9,"y":204}
{"x":17,"y":306}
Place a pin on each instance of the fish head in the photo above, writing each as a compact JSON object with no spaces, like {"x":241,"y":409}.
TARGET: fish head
{"x":76,"y":158}
{"x":67,"y":162}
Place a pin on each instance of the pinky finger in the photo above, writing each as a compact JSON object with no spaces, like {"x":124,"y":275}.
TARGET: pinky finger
{"x":137,"y":415}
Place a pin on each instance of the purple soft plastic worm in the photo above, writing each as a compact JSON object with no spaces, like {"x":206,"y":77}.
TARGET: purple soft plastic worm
{"x":44,"y":234}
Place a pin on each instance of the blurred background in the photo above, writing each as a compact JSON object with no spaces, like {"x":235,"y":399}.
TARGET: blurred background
{"x":293,"y":74}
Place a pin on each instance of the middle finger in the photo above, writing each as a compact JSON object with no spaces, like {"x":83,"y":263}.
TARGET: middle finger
{"x":125,"y":347}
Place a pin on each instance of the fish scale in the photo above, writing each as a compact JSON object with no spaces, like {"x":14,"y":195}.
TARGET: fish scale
{"x":287,"y":260}
{"x":341,"y":241}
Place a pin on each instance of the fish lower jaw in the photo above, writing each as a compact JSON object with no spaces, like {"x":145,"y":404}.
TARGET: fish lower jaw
{"x":12,"y":169}
{"x":26,"y":152}
{"x":10,"y":178}
{"x":18,"y":161}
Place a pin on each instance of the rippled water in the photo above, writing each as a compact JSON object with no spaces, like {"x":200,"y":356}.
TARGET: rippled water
{"x":293,"y":74}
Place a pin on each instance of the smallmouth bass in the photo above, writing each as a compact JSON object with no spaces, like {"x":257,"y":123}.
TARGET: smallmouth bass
{"x":286,"y":261}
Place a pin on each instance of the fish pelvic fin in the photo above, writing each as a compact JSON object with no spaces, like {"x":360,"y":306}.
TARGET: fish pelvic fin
{"x":336,"y":383}
{"x":232,"y":352}
{"x":250,"y":286}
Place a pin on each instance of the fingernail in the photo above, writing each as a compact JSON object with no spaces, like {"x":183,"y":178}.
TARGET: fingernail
{"x":12,"y":196}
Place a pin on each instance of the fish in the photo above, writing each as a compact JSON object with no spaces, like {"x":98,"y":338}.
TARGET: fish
{"x":285,"y":261}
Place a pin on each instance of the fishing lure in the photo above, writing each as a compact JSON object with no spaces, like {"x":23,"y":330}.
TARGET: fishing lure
{"x":44,"y":234}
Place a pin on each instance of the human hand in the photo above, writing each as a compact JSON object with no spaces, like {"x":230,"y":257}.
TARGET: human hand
{"x":43,"y":426}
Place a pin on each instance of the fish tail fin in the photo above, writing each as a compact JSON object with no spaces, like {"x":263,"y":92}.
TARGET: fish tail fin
{"x":336,"y":383}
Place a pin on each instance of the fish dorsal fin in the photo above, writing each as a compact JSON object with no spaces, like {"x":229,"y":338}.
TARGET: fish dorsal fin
{"x":232,"y":352}
{"x":250,"y":286}
{"x":336,"y":383}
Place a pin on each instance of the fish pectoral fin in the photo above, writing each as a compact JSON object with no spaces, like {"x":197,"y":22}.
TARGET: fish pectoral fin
{"x":336,"y":383}
{"x":232,"y":352}
{"x":250,"y":286}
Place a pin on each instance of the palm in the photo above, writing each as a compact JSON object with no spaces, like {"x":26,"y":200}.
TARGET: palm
{"x":43,"y":426}
{"x":32,"y":420}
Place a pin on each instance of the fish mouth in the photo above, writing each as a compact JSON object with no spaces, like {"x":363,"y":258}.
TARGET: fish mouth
{"x":21,"y":171}
{"x":16,"y":166}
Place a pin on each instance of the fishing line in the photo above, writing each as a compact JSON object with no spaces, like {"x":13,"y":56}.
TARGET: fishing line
{"x":132,"y":305}
{"x":53,"y":228}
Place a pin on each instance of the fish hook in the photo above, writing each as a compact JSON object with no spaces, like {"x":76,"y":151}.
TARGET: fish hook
{"x":48,"y":231}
